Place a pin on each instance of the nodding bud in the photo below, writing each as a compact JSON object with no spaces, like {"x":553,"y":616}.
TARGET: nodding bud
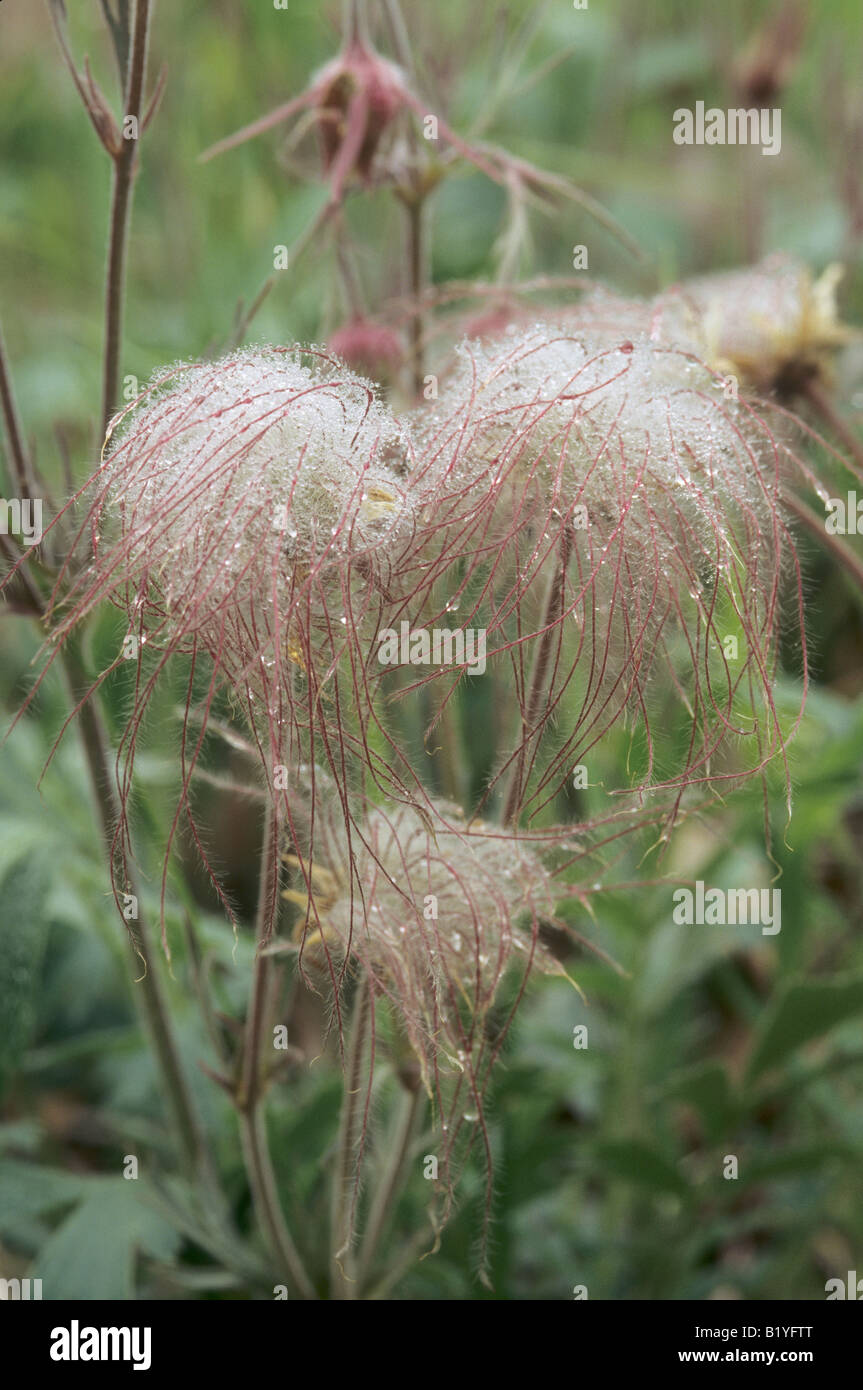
{"x":357,"y":96}
{"x":369,"y":348}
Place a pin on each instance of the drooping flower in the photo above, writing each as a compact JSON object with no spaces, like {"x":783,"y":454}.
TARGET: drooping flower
{"x":354,"y":98}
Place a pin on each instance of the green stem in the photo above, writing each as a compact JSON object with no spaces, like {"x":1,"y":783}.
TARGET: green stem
{"x":842,"y":554}
{"x":253,"y":1129}
{"x":265,"y":1196}
{"x":549,"y":631}
{"x":354,"y":22}
{"x":343,"y":1281}
{"x":821,"y":401}
{"x":392,"y":1179}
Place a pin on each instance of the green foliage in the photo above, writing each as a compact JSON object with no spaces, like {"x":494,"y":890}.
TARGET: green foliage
{"x":709,"y":1042}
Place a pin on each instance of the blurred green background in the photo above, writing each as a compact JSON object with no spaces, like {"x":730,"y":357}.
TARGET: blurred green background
{"x":716,"y":1041}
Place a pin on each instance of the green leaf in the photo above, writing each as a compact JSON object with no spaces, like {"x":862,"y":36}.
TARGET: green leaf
{"x":707,"y":1090}
{"x":811,"y":1160}
{"x":92,"y":1254}
{"x":806,"y":1010}
{"x":23,"y":933}
{"x":29,"y":1189}
{"x":642,"y":1165}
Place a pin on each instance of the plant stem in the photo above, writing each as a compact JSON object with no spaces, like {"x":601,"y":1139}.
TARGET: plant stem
{"x":265,"y":1196}
{"x":821,"y":400}
{"x":343,"y":1282}
{"x":186,"y":1122}
{"x":549,"y":632}
{"x":415,"y":209}
{"x":399,"y":35}
{"x":446,"y":716}
{"x":448,"y":753}
{"x":14,"y":434}
{"x":814,"y":524}
{"x":253,"y":1130}
{"x":392,"y":1180}
{"x":124,"y":171}
{"x":92,"y":730}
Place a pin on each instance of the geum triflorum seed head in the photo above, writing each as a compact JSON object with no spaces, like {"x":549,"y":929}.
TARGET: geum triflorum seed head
{"x":435,"y":913}
{"x":247,"y":511}
{"x":240,"y":501}
{"x":774,"y":324}
{"x":627,"y":470}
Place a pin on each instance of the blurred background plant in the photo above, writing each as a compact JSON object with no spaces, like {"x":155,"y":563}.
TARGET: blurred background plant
{"x":713,"y":1042}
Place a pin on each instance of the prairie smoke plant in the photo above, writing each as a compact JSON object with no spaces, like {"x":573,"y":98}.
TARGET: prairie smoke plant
{"x":247,"y":511}
{"x":433,"y":914}
{"x":622,"y":478}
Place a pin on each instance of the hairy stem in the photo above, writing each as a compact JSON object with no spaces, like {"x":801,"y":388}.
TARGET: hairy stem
{"x":14,"y":433}
{"x":415,"y":209}
{"x":821,"y":401}
{"x":253,"y":1130}
{"x":392,"y":1179}
{"x":151,"y":997}
{"x":343,"y":1282}
{"x":549,"y":634}
{"x":844,"y":556}
{"x":125,"y":169}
